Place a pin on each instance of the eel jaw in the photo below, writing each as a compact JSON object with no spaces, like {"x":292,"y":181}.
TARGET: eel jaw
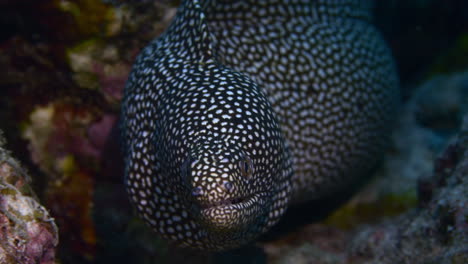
{"x":232,"y":215}
{"x":227,"y":202}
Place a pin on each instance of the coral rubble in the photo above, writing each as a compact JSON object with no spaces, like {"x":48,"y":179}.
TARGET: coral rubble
{"x":28,"y":233}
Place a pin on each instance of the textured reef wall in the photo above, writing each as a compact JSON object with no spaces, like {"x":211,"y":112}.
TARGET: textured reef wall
{"x":28,"y":233}
{"x":65,"y":64}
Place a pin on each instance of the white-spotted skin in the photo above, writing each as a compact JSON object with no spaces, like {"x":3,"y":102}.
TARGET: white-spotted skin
{"x":243,"y":107}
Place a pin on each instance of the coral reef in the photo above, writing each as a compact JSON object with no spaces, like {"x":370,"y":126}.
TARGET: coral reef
{"x":438,"y":232}
{"x":66,"y":66}
{"x":28,"y":233}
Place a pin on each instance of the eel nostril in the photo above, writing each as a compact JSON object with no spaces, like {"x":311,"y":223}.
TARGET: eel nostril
{"x":246,"y":168}
{"x":228,"y":186}
{"x":197,"y":191}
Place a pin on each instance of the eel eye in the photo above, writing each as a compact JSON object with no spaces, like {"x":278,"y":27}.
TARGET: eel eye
{"x":228,"y":186}
{"x":197,"y":191}
{"x":246,"y":168}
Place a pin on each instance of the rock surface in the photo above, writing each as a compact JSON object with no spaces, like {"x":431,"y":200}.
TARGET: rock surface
{"x":28,"y":234}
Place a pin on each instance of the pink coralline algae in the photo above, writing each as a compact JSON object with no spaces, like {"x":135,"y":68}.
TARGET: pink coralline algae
{"x":28,"y":234}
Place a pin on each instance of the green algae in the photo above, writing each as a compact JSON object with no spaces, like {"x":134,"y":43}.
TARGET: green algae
{"x":454,"y":60}
{"x":90,"y":17}
{"x":7,"y":191}
{"x":351,"y":215}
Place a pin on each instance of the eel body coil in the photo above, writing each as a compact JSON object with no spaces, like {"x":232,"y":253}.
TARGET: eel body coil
{"x":241,"y":108}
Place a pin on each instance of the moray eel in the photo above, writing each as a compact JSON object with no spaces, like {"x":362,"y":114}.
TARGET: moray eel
{"x":242,"y":108}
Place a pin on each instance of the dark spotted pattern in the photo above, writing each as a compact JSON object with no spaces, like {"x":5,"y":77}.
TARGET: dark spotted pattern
{"x":242,"y":107}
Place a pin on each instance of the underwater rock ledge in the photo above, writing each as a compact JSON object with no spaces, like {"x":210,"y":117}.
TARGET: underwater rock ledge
{"x":28,"y":234}
{"x":436,"y":232}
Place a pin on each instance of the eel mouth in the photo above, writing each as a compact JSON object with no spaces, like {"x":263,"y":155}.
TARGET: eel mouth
{"x":226,"y":202}
{"x":234,"y":203}
{"x":232,"y":215}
